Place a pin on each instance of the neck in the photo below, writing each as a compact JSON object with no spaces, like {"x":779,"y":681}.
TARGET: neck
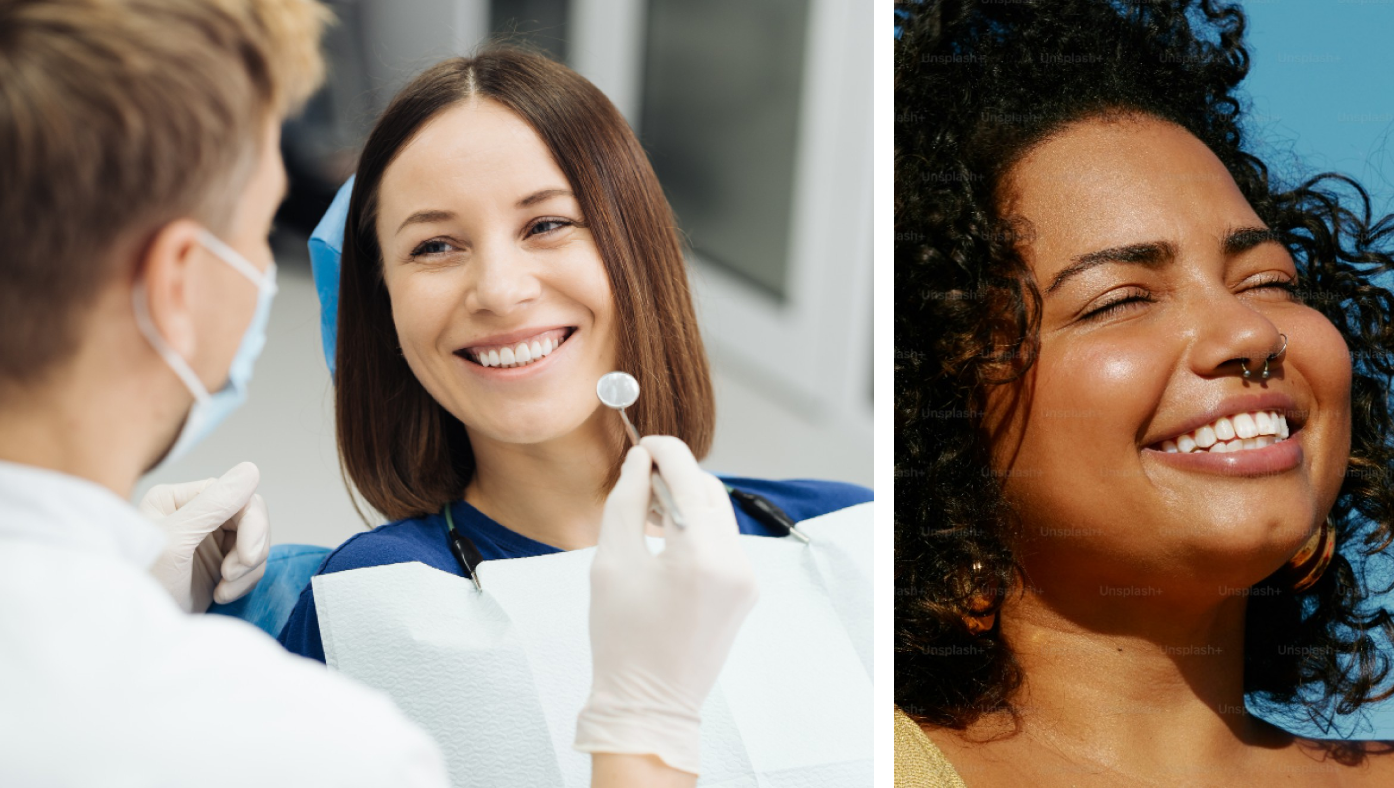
{"x":1134,"y":683}
{"x":552,"y":492}
{"x":95,"y":426}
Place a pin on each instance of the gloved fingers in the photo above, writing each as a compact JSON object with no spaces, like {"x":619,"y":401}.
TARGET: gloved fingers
{"x":246,"y":541}
{"x":721,"y":502}
{"x":627,"y":508}
{"x":253,"y":533}
{"x":163,"y":499}
{"x":692,"y":489}
{"x":230,"y":590}
{"x":219,"y":501}
{"x":679,"y":469}
{"x":655,"y":515}
{"x":230,"y":494}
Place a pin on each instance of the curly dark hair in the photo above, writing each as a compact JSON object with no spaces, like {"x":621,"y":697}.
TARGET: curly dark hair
{"x":977,"y":85}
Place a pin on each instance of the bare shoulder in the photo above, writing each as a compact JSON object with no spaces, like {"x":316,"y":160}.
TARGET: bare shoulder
{"x":991,"y":733}
{"x":989,"y":752}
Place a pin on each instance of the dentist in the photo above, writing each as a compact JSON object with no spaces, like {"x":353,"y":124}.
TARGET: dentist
{"x":140,"y":145}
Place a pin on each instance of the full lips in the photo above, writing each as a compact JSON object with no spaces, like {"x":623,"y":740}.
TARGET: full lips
{"x":1268,"y":461}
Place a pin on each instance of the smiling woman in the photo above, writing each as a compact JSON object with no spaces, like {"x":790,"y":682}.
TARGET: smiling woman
{"x":504,"y":199}
{"x":1141,"y":395}
{"x":507,"y":244}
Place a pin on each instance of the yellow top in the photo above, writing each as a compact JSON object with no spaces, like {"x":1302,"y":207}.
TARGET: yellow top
{"x":918,"y":763}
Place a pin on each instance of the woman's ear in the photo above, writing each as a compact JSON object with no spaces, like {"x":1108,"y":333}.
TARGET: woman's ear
{"x":164,"y":270}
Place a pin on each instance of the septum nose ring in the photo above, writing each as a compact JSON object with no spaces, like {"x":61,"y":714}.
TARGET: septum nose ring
{"x":1244,"y":362}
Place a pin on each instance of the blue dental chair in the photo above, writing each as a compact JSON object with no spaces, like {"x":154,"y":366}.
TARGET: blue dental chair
{"x":288,"y":570}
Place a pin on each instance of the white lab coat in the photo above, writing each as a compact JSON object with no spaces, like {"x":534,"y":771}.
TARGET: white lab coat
{"x":104,"y":681}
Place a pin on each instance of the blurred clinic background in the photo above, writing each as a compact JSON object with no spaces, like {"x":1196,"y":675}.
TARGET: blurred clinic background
{"x":757,"y":117}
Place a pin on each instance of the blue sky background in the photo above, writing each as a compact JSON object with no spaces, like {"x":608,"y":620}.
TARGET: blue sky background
{"x":1321,"y":87}
{"x":1321,"y":83}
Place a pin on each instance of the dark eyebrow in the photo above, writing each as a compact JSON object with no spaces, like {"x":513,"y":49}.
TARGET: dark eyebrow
{"x":1155,"y":253}
{"x":1243,"y":239}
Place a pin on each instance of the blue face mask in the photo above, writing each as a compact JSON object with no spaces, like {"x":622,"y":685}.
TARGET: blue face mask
{"x":209,"y":410}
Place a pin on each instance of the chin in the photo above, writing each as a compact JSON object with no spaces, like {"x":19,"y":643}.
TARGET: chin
{"x":523,"y":430}
{"x":1245,"y":553}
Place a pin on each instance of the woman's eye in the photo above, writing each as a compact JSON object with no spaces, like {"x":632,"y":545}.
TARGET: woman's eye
{"x":1121,"y":304}
{"x":1288,"y":286}
{"x":1117,"y":305}
{"x":544,"y":226}
{"x":434,"y":246}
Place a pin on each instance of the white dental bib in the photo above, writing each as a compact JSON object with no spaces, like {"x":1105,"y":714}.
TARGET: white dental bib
{"x":498,"y":676}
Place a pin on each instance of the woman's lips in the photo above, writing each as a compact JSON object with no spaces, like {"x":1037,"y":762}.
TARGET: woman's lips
{"x":1273,"y":459}
{"x":525,"y":371}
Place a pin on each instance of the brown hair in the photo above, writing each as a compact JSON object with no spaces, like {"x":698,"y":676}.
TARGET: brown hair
{"x":406,"y":454}
{"x":116,"y":118}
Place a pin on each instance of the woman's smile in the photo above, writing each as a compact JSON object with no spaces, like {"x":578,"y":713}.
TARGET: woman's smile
{"x":1252,"y":434}
{"x":1264,"y":455}
{"x":522,"y":360}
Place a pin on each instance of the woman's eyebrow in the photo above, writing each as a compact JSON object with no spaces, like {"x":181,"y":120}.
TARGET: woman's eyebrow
{"x":426,"y":217}
{"x":545,"y":194}
{"x":1155,"y":253}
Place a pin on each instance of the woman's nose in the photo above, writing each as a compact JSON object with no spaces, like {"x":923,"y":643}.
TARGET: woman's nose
{"x":501,"y":279}
{"x":1242,"y":339}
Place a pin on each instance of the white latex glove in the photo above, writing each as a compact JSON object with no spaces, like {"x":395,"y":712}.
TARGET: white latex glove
{"x":662,"y":625}
{"x":219,"y":536}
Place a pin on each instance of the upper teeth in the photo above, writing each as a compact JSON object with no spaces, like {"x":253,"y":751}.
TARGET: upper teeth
{"x":1241,"y":431}
{"x":519,"y":354}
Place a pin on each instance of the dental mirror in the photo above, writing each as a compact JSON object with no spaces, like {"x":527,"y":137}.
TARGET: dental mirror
{"x":619,"y":390}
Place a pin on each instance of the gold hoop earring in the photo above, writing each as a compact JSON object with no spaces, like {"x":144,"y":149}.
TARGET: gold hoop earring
{"x":1309,"y":563}
{"x":978,"y":619}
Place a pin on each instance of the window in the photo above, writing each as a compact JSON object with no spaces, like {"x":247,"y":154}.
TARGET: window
{"x":720,"y":119}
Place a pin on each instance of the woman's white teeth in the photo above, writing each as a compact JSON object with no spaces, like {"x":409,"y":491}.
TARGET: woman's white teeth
{"x":1232,"y":433}
{"x":518,"y":355}
{"x":1205,"y":437}
{"x":1224,"y":429}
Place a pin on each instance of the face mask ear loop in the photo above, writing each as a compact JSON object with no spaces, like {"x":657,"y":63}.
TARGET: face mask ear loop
{"x":153,"y":336}
{"x":233,"y":258}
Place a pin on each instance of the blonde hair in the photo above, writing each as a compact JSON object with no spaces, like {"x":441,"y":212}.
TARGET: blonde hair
{"x":117,"y":117}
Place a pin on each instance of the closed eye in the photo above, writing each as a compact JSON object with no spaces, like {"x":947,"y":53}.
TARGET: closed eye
{"x":1121,"y":304}
{"x":1118,"y":306}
